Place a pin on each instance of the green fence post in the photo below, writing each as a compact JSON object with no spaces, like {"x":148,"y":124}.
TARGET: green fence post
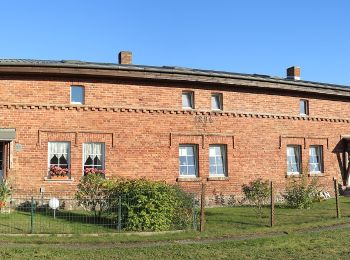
{"x":202,"y":220}
{"x":336,"y":193}
{"x":119,"y":213}
{"x":32,"y":216}
{"x":272,"y":205}
{"x":194,"y":214}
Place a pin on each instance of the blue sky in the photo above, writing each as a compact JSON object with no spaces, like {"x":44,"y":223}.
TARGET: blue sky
{"x":262,"y":37}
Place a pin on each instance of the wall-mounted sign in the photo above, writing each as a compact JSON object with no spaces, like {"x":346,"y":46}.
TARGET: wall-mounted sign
{"x":18,"y":147}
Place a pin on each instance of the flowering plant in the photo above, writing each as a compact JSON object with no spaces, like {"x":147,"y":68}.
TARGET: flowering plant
{"x":88,"y":171}
{"x":5,"y":192}
{"x":58,"y":171}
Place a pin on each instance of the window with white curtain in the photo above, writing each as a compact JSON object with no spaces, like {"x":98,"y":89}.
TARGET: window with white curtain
{"x":217,"y":160}
{"x":59,"y":154}
{"x":316,"y":159}
{"x":94,"y":155}
{"x":188,"y":160}
{"x":293,"y":159}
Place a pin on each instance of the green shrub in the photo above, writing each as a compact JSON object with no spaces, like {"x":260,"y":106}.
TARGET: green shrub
{"x":94,"y":193}
{"x":5,"y":192}
{"x":257,"y":193}
{"x":145,"y":205}
{"x":155,"y":206}
{"x":301,"y":193}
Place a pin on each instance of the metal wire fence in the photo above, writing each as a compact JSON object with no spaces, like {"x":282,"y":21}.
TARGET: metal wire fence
{"x":34,"y":215}
{"x":124,"y":214}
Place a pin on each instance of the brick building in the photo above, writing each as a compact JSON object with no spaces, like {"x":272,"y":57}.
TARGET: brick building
{"x":167,"y":123}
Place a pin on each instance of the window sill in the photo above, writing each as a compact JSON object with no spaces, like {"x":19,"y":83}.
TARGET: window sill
{"x":294,"y":175}
{"x":58,"y":180}
{"x":222,"y":178}
{"x":189,"y":179}
{"x":316,"y":174}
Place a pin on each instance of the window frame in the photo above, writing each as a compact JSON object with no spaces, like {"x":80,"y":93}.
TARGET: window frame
{"x":300,"y":160}
{"x":195,"y":151}
{"x":220,"y":101}
{"x":103,"y":155}
{"x":68,"y":156}
{"x":306,"y":107}
{"x":223,"y":147}
{"x":71,"y":95}
{"x":191,"y":93}
{"x":321,"y":166}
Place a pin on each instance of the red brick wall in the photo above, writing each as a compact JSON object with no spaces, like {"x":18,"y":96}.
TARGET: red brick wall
{"x":142,"y":125}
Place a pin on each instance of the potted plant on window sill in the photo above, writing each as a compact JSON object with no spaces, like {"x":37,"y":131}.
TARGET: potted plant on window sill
{"x":88,"y":171}
{"x":58,"y":173}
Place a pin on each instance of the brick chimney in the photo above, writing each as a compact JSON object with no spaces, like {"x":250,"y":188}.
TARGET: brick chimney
{"x":293,"y":73}
{"x":125,"y":57}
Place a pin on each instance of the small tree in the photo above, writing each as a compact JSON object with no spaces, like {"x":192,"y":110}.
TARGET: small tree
{"x":301,"y":193}
{"x":93,"y":193}
{"x":257,"y":193}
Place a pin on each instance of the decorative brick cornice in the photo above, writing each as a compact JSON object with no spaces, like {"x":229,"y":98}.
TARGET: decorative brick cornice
{"x":172,"y":111}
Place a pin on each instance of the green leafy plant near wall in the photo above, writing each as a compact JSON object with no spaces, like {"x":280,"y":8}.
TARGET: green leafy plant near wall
{"x":94,"y":193}
{"x":257,"y":193}
{"x":144,"y":204}
{"x":5,"y":193}
{"x":302,"y":192}
{"x":150,"y":205}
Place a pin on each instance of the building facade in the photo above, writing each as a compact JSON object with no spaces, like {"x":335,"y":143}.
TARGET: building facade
{"x":167,"y":123}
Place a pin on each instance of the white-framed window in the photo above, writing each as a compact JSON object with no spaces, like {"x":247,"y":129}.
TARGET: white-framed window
{"x":217,"y":160}
{"x":316,"y":159}
{"x":216,"y":101}
{"x":59,"y":154}
{"x":187,"y":100}
{"x":188,"y":161}
{"x":77,"y":95}
{"x":293,"y":159}
{"x":304,"y":107}
{"x":94,"y":155}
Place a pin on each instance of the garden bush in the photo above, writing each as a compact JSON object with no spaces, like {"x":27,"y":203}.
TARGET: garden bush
{"x":145,"y":204}
{"x":155,"y":206}
{"x":5,"y":192}
{"x":257,"y":194}
{"x":94,"y":193}
{"x":301,"y":193}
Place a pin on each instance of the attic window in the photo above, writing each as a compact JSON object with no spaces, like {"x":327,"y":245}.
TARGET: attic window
{"x":304,"y":107}
{"x":77,"y":95}
{"x":187,"y":100}
{"x":216,"y":101}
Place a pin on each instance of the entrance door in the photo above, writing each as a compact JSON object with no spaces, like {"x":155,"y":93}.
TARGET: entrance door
{"x":1,"y":161}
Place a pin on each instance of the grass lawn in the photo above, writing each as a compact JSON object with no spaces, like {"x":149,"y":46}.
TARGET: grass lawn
{"x":320,"y":245}
{"x":220,"y":222}
{"x":228,"y":223}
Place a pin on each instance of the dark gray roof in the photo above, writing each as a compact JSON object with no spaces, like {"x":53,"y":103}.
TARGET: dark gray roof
{"x":167,"y":69}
